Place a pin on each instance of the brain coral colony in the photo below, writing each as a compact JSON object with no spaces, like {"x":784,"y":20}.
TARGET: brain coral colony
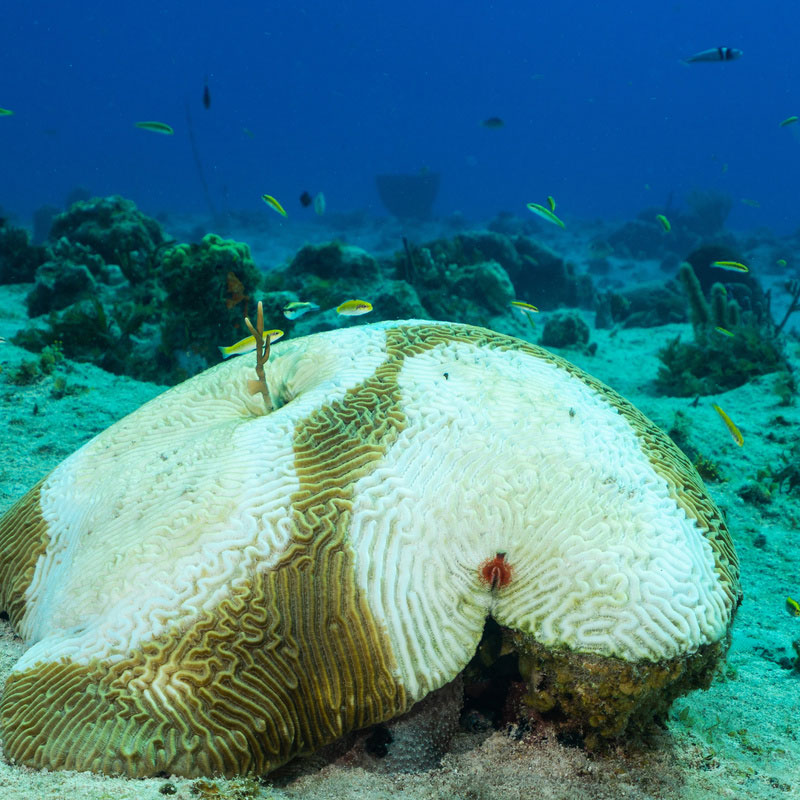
{"x":295,"y":545}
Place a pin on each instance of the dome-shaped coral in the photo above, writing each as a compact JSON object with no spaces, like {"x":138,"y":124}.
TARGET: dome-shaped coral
{"x":221,"y":581}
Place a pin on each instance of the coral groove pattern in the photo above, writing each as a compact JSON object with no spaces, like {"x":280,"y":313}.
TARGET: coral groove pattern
{"x":220,"y":581}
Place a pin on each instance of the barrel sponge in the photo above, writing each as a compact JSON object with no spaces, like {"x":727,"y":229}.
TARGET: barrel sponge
{"x":222,"y":581}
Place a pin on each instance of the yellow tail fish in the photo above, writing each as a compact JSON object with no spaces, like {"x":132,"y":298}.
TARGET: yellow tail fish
{"x":273,"y":203}
{"x":354,"y":308}
{"x":248,"y":345}
{"x":545,"y":213}
{"x":156,"y":127}
{"x":729,"y":424}
{"x":734,"y":266}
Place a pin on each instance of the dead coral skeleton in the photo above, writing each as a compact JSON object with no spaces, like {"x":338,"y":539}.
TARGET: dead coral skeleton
{"x":793,"y":288}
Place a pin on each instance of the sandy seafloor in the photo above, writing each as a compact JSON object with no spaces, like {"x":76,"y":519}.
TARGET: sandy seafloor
{"x":740,"y":739}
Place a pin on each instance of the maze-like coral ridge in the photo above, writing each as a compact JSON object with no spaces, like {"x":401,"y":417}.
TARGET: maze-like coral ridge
{"x":218,"y":583}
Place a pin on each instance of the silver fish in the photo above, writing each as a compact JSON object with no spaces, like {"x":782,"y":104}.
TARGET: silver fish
{"x":297,"y":308}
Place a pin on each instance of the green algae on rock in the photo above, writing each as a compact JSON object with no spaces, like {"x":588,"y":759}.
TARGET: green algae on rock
{"x":161,"y":317}
{"x":19,"y":259}
{"x":208,"y":289}
{"x":115,"y":229}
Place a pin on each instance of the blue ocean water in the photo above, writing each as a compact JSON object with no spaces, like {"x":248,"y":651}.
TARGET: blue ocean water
{"x":598,"y":109}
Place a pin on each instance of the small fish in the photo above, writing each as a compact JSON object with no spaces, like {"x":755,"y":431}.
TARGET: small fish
{"x":6,"y":112}
{"x":600,"y":248}
{"x":734,"y":431}
{"x":493,"y":122}
{"x":247,"y":132}
{"x":793,"y":607}
{"x":354,"y":308}
{"x":248,"y":345}
{"x":665,"y":223}
{"x":715,"y":54}
{"x":3,"y":340}
{"x":733,"y":266}
{"x":206,"y":95}
{"x":273,"y":203}
{"x":319,"y":204}
{"x":527,"y":311}
{"x":551,"y":202}
{"x":789,"y":121}
{"x":545,"y":213}
{"x":524,"y":308}
{"x":297,"y":308}
{"x":156,"y":127}
{"x":745,"y":201}
{"x":306,"y":200}
{"x":723,"y":331}
{"x":781,"y":262}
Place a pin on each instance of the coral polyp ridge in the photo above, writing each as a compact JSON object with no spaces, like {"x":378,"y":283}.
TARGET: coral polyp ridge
{"x":222,"y":581}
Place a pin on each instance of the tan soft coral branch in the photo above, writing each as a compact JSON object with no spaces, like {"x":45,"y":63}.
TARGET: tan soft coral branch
{"x":262,"y":353}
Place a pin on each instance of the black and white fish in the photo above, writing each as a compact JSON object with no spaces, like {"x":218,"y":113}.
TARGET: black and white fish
{"x":715,"y":54}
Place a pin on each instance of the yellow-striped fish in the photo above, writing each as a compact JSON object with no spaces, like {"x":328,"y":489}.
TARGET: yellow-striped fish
{"x":6,"y":112}
{"x":723,"y":331}
{"x":793,"y":607}
{"x":729,"y":424}
{"x":248,"y":345}
{"x":733,"y":266}
{"x":545,"y":213}
{"x":273,"y":203}
{"x":789,"y":121}
{"x":781,"y":262}
{"x":354,"y":308}
{"x":551,"y":203}
{"x":665,"y":223}
{"x":524,"y":308}
{"x":527,"y":311}
{"x":156,"y":127}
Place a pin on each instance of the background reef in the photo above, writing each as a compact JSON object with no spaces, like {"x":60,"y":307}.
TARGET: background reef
{"x":111,"y":288}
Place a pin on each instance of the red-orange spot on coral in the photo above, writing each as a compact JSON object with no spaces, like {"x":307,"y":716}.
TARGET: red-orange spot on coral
{"x":496,"y":571}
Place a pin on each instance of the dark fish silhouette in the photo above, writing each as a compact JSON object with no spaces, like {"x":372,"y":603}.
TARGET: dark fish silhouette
{"x":714,"y":54}
{"x":306,"y":199}
{"x":206,"y":95}
{"x":493,"y":122}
